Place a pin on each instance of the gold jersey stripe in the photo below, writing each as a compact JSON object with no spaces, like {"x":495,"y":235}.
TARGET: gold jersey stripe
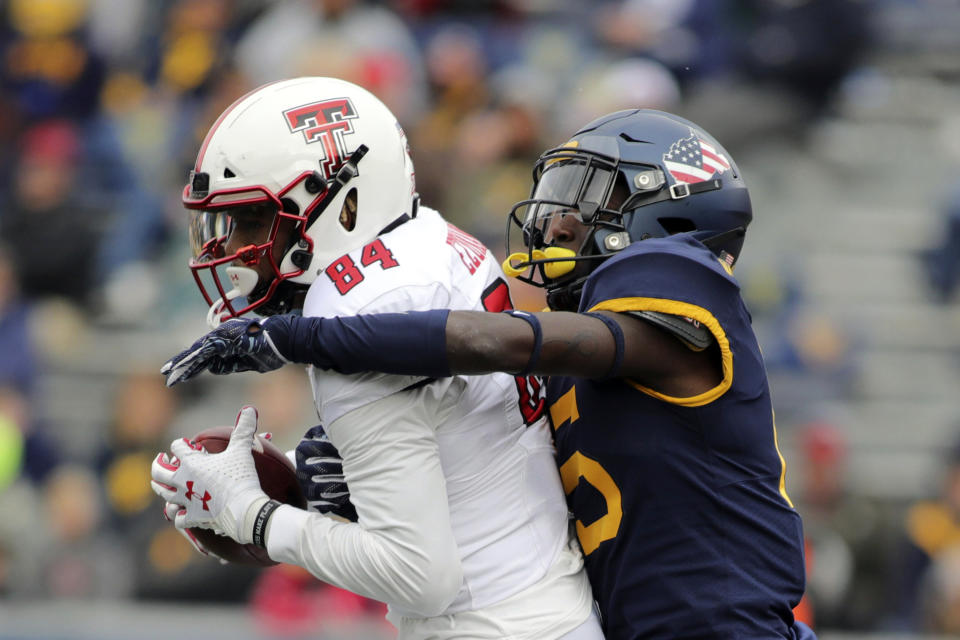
{"x":678,"y":308}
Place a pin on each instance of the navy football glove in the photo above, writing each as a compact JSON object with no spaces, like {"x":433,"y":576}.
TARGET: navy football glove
{"x":320,"y":472}
{"x":240,"y":344}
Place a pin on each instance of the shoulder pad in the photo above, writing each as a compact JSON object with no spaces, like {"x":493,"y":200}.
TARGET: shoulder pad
{"x":697,"y":336}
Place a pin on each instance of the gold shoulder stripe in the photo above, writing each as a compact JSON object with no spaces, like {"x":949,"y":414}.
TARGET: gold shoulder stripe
{"x":704,"y":317}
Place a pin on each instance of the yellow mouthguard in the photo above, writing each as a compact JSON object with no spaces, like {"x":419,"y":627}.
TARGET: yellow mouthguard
{"x":552,"y":270}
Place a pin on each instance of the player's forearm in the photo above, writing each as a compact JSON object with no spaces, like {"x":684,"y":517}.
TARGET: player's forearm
{"x":440,"y":343}
{"x":411,"y":343}
{"x":570,"y":343}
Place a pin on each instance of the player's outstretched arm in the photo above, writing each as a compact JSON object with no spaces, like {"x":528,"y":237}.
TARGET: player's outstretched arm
{"x":440,"y":343}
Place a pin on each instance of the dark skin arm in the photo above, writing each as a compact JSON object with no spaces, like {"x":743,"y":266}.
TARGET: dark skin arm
{"x":580,"y":345}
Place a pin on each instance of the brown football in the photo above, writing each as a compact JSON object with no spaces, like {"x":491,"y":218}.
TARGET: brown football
{"x":279,"y":481}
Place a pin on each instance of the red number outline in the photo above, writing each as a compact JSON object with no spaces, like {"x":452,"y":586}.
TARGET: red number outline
{"x":530,"y":388}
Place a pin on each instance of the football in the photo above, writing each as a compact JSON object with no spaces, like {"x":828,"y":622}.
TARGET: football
{"x":279,"y":481}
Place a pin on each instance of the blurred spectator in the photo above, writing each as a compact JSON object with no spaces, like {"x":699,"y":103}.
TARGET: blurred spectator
{"x":287,"y":601}
{"x":84,"y":559}
{"x":457,"y":76}
{"x":20,"y":371}
{"x":807,"y":353}
{"x":925,"y":594}
{"x":192,"y":45}
{"x":62,"y":552}
{"x":941,"y":262}
{"x":804,"y":47}
{"x":609,"y":85}
{"x":830,"y":557}
{"x":52,"y":234}
{"x":663,"y":31}
{"x":19,"y":572}
{"x":11,"y":449}
{"x":142,"y":411}
{"x":492,"y":151}
{"x":38,"y":454}
{"x":351,"y":39}
{"x":48,"y":69}
{"x":168,"y":569}
{"x":846,"y":534}
{"x":940,"y":594}
{"x":18,"y":367}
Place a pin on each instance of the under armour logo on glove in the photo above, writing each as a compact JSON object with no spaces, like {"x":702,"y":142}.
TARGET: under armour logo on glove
{"x":320,"y":473}
{"x":190,"y":493}
{"x":223,"y":491}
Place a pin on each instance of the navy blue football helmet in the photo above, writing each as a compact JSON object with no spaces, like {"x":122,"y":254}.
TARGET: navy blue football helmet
{"x":629,"y":176}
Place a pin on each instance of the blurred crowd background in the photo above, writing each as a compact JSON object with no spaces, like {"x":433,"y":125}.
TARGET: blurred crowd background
{"x":843,"y":115}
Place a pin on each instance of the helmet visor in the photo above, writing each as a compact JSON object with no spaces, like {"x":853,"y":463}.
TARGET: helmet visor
{"x":233,"y":258}
{"x":209,"y":231}
{"x":575,"y":185}
{"x":244,"y":227}
{"x":573,"y":181}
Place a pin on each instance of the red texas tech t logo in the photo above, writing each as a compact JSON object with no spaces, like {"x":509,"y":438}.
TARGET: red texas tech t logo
{"x":326,"y":121}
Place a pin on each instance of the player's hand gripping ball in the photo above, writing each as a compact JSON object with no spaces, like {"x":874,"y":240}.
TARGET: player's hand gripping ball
{"x":278,"y":480}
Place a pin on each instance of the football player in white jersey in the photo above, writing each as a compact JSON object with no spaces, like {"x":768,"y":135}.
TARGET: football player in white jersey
{"x":303,"y":198}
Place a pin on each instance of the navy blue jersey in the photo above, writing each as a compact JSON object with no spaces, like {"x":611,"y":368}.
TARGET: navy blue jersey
{"x":680,"y":502}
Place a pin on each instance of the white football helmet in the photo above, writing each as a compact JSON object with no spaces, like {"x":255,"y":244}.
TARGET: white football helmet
{"x":289,"y":153}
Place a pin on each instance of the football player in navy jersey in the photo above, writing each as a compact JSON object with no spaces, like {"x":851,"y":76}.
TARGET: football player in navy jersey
{"x":660,"y":405}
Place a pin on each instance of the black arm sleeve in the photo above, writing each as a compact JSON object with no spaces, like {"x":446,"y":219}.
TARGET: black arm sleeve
{"x":412,"y":343}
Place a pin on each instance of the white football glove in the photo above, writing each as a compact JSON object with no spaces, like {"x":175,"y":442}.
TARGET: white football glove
{"x":170,"y":511}
{"x":219,"y":491}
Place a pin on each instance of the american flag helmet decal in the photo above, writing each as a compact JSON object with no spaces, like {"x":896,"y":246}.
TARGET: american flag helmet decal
{"x":693,"y":159}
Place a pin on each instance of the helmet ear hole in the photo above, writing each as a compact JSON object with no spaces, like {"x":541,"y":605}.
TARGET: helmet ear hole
{"x":348,"y":212}
{"x":677,"y":225}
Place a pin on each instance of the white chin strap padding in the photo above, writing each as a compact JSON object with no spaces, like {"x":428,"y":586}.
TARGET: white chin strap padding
{"x":243,"y":279}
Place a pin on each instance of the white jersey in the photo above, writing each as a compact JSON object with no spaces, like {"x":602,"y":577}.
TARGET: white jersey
{"x":485,"y":439}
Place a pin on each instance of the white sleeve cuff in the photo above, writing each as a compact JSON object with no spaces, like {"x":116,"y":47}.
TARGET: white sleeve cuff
{"x":283,"y":533}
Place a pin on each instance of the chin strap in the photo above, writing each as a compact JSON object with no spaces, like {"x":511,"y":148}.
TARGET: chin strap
{"x":216,"y":311}
{"x":347,"y":172}
{"x":244,"y":280}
